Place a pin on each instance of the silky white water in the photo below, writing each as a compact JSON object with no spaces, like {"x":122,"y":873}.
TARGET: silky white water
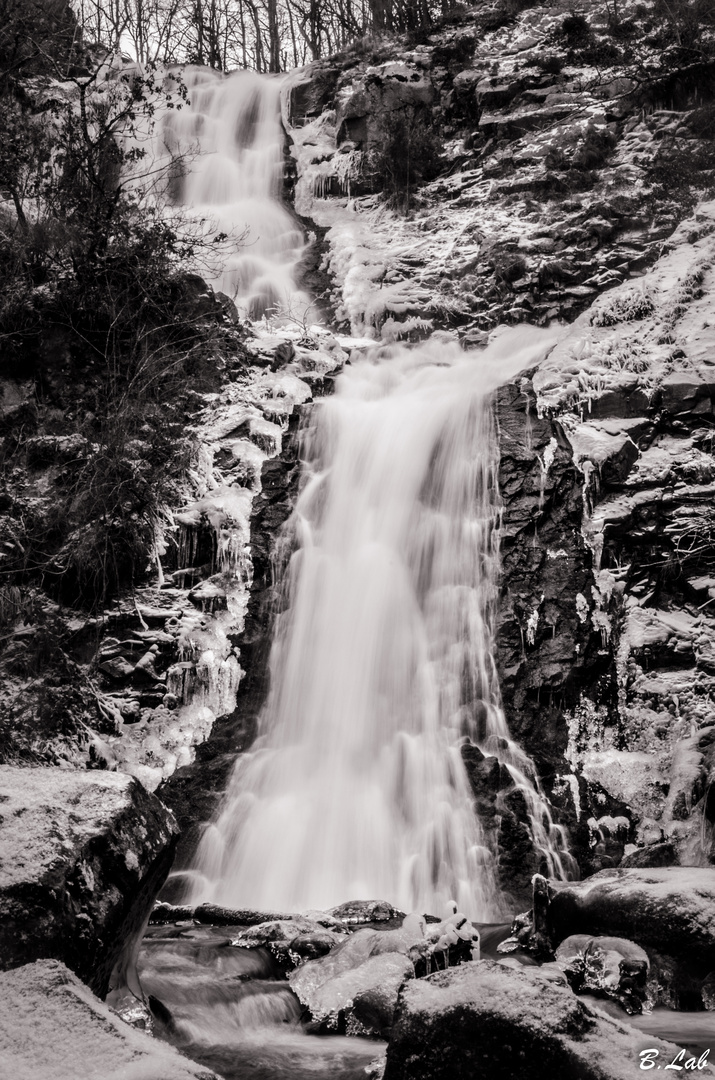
{"x":383,"y":655}
{"x":228,"y":145}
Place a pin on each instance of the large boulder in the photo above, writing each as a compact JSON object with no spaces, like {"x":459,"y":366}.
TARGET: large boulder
{"x":485,"y":1019}
{"x":670,"y":909}
{"x":82,"y":857}
{"x":53,"y":1026}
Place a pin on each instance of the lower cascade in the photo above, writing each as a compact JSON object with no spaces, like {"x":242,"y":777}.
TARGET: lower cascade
{"x":383,"y":660}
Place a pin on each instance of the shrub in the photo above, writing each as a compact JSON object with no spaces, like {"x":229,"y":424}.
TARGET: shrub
{"x":551,"y":64}
{"x":685,"y":20}
{"x":408,"y":156}
{"x":508,"y":267}
{"x":95,"y":308}
{"x":624,"y":304}
{"x":575,"y":30}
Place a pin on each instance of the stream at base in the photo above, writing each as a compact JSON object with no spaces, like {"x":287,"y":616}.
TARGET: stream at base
{"x":231,"y":1010}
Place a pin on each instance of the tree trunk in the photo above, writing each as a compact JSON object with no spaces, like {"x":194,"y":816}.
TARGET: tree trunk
{"x":274,"y":41}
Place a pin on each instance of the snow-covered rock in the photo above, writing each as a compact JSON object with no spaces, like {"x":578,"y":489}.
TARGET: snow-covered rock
{"x":498,"y":1019}
{"x":82,"y":857}
{"x":51,"y":1025}
{"x":670,"y":909}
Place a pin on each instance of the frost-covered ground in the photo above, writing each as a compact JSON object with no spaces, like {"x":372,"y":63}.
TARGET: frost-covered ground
{"x":549,"y":189}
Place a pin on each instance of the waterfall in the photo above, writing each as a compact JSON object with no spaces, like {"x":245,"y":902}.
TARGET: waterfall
{"x":227,"y":145}
{"x":383,"y":655}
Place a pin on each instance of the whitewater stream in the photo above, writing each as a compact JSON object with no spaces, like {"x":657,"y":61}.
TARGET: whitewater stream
{"x":383,"y":654}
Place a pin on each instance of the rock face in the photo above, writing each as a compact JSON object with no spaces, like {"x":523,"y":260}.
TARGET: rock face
{"x":83,"y":856}
{"x":543,"y":650}
{"x":486,"y":1019}
{"x":635,"y":368}
{"x":671,"y":909}
{"x":52,"y":1025}
{"x":554,"y":142}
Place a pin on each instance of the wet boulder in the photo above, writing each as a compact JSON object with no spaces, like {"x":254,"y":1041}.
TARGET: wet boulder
{"x":82,"y":857}
{"x":51,"y":1025}
{"x":357,"y":983}
{"x":486,"y":1019}
{"x":663,"y":853}
{"x":606,"y":966}
{"x":293,"y":940}
{"x":669,"y":908}
{"x":366,"y":911}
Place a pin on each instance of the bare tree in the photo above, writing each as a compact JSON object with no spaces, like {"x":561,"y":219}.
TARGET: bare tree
{"x":267,"y":35}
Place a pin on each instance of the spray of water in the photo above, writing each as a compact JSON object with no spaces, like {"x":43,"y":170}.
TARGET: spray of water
{"x":383,"y":655}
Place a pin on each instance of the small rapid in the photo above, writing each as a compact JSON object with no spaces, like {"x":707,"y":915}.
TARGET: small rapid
{"x":232,"y":1011}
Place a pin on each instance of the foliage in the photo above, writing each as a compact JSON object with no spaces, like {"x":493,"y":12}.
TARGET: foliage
{"x":685,"y":20}
{"x":407,"y":156}
{"x":97,"y":307}
{"x":508,"y":267}
{"x":685,"y":174}
{"x":29,"y":30}
{"x":575,"y":30}
{"x":56,"y":704}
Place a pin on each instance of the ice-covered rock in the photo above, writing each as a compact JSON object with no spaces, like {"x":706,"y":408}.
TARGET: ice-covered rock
{"x":610,"y":966}
{"x":366,"y":993}
{"x":670,"y":909}
{"x":361,"y":977}
{"x":293,"y":940}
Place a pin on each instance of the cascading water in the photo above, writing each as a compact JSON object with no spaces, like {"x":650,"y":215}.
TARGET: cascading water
{"x":228,"y":147}
{"x":383,"y":657}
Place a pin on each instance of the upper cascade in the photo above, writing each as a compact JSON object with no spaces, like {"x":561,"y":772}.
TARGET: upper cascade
{"x":228,"y":146}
